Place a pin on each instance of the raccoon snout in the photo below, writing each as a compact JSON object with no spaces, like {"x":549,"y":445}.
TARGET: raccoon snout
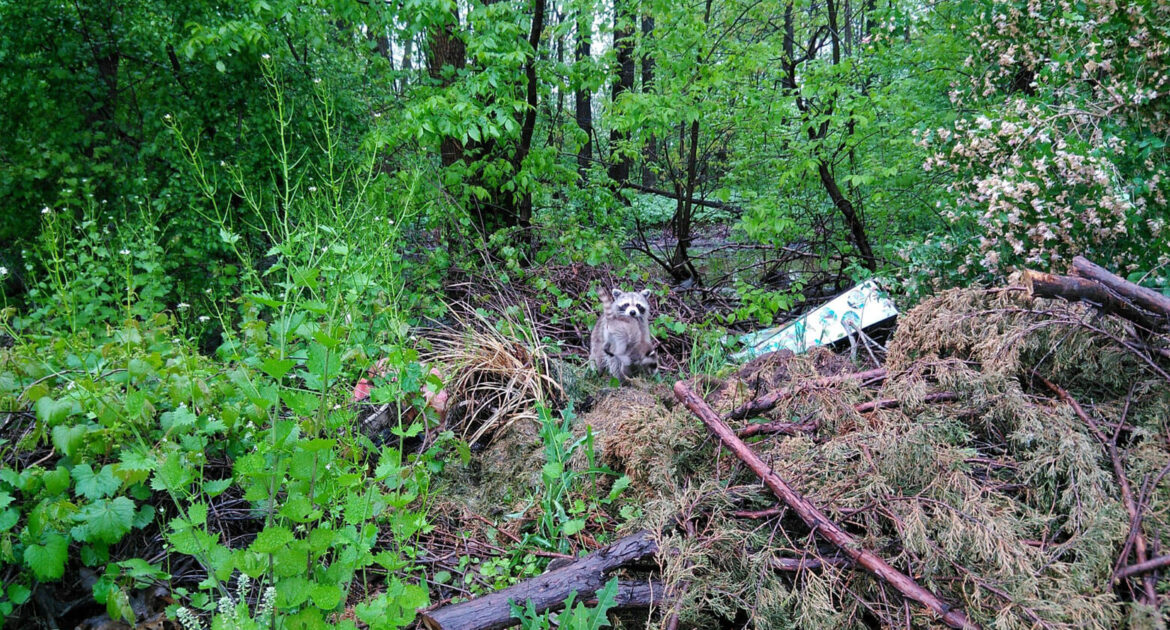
{"x":633,"y":312}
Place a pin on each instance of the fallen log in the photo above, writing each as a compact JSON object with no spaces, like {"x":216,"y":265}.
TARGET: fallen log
{"x":1078,"y":289}
{"x":816,"y":519}
{"x":1148,"y":299}
{"x":549,"y":591}
{"x":768,"y":401}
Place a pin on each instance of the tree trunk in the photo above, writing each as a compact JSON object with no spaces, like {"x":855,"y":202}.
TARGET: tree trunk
{"x":856,"y":226}
{"x":582,"y":98}
{"x":447,"y":49}
{"x":623,"y":44}
{"x":649,"y":179}
{"x":522,"y":212}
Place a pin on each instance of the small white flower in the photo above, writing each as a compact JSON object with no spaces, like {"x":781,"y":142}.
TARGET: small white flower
{"x":167,"y":117}
{"x":184,"y":305}
{"x":3,"y":271}
{"x":204,"y":318}
{"x":222,"y":163}
{"x":312,"y":189}
{"x":124,"y":252}
{"x":317,"y":80}
{"x":266,"y":56}
{"x":377,"y":114}
{"x":45,"y":210}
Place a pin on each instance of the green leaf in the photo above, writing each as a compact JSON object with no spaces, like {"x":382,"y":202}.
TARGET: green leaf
{"x":293,"y":591}
{"x":326,"y":596}
{"x":8,"y":519}
{"x":56,"y":481}
{"x":95,"y":486}
{"x":47,"y":561}
{"x":51,"y":412}
{"x":573,"y":526}
{"x":118,"y":605}
{"x":19,"y":593}
{"x":178,"y":419}
{"x":105,"y":521}
{"x":276,"y":368}
{"x":67,"y":439}
{"x":216,"y":487}
{"x":222,"y":68}
{"x":271,"y":540}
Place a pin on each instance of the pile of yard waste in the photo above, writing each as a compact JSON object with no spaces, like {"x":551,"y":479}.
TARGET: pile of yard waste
{"x":1008,"y":455}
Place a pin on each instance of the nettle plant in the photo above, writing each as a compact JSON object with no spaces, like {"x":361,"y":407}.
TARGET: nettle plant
{"x":1068,"y":155}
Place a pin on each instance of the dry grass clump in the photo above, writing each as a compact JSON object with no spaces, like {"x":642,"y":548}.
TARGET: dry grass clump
{"x":498,"y":372}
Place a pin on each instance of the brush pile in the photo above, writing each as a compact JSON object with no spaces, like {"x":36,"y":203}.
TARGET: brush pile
{"x":1009,"y":458}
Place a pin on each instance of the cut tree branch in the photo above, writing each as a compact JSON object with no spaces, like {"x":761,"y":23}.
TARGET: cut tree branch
{"x":1148,"y":299}
{"x":887,"y":403}
{"x":1153,"y":564}
{"x":1078,"y":289}
{"x":815,"y":519}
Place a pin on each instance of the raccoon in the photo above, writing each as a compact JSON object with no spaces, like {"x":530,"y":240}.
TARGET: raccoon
{"x":644,"y":357}
{"x":620,"y":343}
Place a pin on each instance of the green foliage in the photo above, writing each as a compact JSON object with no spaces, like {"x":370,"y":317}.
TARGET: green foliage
{"x":1062,"y":151}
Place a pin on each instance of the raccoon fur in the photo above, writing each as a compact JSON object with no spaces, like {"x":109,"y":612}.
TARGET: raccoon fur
{"x":620,"y":343}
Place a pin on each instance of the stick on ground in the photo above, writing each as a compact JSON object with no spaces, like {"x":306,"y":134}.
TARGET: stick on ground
{"x":770,"y":400}
{"x":816,"y":519}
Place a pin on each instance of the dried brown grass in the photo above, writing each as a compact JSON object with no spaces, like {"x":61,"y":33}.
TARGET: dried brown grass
{"x":499,"y":371}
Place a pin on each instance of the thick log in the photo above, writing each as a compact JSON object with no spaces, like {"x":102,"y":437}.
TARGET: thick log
{"x":549,"y":591}
{"x":816,"y":519}
{"x":768,"y":401}
{"x":1076,"y":289}
{"x":1148,"y":299}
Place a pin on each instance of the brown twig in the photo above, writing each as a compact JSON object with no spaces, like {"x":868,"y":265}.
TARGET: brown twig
{"x":1140,"y":568}
{"x":1131,"y":507}
{"x":887,"y":403}
{"x":770,"y":400}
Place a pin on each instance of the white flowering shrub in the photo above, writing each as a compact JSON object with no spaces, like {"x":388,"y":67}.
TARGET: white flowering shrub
{"x":1064,"y":150}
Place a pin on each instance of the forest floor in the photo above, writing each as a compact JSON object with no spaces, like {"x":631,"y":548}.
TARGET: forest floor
{"x":1003,"y":453}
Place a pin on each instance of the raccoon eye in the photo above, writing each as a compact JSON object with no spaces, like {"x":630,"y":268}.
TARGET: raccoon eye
{"x":641,"y":309}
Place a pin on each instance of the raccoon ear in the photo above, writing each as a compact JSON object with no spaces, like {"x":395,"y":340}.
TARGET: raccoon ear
{"x":645,"y":293}
{"x":616,"y":293}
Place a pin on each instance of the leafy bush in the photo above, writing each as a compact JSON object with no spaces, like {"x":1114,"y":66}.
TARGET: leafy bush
{"x":1065,"y":153}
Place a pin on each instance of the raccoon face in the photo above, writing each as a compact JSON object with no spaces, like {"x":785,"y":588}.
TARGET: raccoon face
{"x":632,"y":304}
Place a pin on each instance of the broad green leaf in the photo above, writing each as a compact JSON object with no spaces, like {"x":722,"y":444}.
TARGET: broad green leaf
{"x":95,"y":485}
{"x":271,"y":539}
{"x":105,"y":521}
{"x":47,"y":561}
